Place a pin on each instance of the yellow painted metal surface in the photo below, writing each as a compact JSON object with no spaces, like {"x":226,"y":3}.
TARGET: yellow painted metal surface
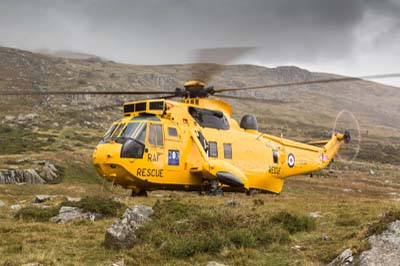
{"x":182,"y":162}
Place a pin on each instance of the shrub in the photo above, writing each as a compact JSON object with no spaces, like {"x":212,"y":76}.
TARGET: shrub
{"x":181,"y":247}
{"x":345,"y":220}
{"x":36,"y":214}
{"x":293,"y":223}
{"x":105,"y":206}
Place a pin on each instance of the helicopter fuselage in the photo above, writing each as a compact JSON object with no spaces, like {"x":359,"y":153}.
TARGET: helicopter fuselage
{"x":195,"y":145}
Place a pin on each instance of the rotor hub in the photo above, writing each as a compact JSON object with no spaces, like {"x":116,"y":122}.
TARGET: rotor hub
{"x":194,"y":89}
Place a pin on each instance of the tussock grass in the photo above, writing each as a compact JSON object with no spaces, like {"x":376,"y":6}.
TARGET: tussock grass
{"x":182,"y":230}
{"x":386,"y":219}
{"x":102,"y":205}
{"x":188,"y":229}
{"x":293,"y":223}
{"x":37,"y":214}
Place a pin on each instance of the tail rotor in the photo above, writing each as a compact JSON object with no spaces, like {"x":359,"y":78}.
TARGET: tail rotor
{"x":346,"y":119}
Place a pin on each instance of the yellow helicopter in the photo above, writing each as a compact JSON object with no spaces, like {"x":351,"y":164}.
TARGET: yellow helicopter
{"x":195,"y":145}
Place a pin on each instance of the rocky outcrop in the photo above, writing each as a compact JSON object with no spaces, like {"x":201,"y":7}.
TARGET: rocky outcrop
{"x":68,"y":214}
{"x":346,"y":258}
{"x":43,"y":172}
{"x":122,"y":233}
{"x":385,"y":248}
{"x":41,"y":198}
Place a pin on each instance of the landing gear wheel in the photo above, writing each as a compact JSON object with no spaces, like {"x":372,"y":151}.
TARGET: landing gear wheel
{"x":250,"y":192}
{"x":139,"y":193}
{"x":217,"y":192}
{"x":215,"y":189}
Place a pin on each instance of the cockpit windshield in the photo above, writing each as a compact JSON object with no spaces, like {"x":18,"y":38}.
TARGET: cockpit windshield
{"x":117,"y":131}
{"x":140,"y":134}
{"x":129,"y":129}
{"x":135,"y":129}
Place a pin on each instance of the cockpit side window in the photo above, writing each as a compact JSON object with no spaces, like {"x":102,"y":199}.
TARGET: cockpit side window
{"x":209,"y":118}
{"x":106,"y":137}
{"x":155,"y":135}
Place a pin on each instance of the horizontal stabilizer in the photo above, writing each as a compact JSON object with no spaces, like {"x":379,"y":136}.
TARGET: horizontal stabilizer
{"x":319,"y":142}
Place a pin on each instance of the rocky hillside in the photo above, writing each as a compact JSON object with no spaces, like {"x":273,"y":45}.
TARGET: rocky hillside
{"x":302,"y":112}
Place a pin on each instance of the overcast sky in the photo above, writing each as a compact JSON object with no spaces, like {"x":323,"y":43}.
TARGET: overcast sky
{"x":353,"y":37}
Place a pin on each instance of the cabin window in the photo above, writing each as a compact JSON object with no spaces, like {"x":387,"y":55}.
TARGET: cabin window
{"x":155,"y":135}
{"x":140,"y":107}
{"x":227,"y":151}
{"x":129,"y":129}
{"x":275,"y":156}
{"x":117,"y":131}
{"x":213,"y":149}
{"x":209,"y":118}
{"x":172,"y":132}
{"x":157,"y":105}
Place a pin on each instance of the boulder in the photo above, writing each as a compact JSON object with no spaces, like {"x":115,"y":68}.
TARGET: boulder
{"x":232,"y":202}
{"x":346,"y":258}
{"x":2,"y":203}
{"x":71,"y":199}
{"x":214,"y":263}
{"x":15,"y":207}
{"x":120,"y":262}
{"x":41,"y":198}
{"x":47,"y":172}
{"x":122,"y":233}
{"x":9,"y":118}
{"x":68,"y":214}
{"x":385,"y":248}
{"x":314,"y":215}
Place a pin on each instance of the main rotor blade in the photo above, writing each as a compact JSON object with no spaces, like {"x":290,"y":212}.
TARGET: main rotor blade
{"x":13,"y":93}
{"x":217,"y":57}
{"x":262,"y":100}
{"x":344,"y":79}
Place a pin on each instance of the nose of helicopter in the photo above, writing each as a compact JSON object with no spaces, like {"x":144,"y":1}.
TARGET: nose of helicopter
{"x":105,"y":158}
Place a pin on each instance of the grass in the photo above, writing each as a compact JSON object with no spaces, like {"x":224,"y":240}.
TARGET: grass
{"x":293,"y":223}
{"x":105,"y":206}
{"x":37,"y":214}
{"x":183,"y":230}
{"x":383,"y":223}
{"x":102,"y":205}
{"x":188,"y":229}
{"x":16,"y":140}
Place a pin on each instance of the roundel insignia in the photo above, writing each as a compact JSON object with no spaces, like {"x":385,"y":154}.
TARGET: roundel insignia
{"x":291,"y":160}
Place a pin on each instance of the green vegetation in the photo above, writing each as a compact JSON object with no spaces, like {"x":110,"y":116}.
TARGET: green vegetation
{"x":102,"y":205}
{"x":182,"y":230}
{"x":37,"y":214}
{"x":383,"y":223}
{"x":79,"y":172}
{"x":15,"y":140}
{"x":293,"y":223}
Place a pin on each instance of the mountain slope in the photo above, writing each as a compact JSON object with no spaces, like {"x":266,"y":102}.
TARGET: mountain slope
{"x":308,"y":111}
